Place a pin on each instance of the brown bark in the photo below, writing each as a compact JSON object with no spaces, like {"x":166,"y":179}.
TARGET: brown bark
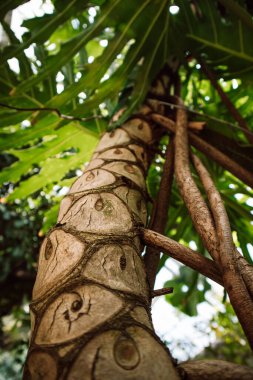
{"x":183,"y":254}
{"x":222,"y":159}
{"x":214,"y":370}
{"x":217,"y":238}
{"x":91,"y":300}
{"x":241,"y":154}
{"x":161,"y":292}
{"x":232,"y":278}
{"x":232,"y":166}
{"x":200,"y":214}
{"x":160,"y":213}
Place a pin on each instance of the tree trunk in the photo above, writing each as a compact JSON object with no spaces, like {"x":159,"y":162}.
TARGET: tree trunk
{"x":91,"y":300}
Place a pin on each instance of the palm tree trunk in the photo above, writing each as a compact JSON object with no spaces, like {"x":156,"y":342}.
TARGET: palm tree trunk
{"x":91,"y":300}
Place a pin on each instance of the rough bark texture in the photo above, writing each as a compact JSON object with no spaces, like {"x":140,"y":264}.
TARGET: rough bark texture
{"x":183,"y":254}
{"x":91,"y":301}
{"x":232,"y":277}
{"x":214,"y":370}
{"x":196,"y":205}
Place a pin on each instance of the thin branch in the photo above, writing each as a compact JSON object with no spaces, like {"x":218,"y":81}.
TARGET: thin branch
{"x":184,"y":255}
{"x":225,"y":99}
{"x":160,"y":212}
{"x":238,"y":171}
{"x":161,"y":292}
{"x":55,"y":110}
{"x":194,"y":201}
{"x":195,"y":112}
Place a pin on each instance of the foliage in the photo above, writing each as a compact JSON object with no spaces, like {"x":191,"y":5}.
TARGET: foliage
{"x":14,"y":341}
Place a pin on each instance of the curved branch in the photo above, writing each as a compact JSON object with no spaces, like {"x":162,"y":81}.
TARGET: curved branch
{"x":195,"y":203}
{"x":184,"y":255}
{"x":211,"y":152}
{"x":233,"y":281}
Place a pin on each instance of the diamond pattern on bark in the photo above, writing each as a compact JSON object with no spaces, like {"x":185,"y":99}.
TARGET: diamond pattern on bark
{"x":63,"y":258}
{"x":76,"y":312}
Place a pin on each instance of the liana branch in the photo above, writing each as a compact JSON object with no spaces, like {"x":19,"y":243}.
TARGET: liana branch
{"x":184,"y":255}
{"x":193,"y":199}
{"x":160,"y":212}
{"x":210,"y":151}
{"x":232,"y":278}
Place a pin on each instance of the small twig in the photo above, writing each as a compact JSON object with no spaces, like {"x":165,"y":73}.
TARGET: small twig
{"x":55,"y":110}
{"x":225,"y":99}
{"x":161,"y":292}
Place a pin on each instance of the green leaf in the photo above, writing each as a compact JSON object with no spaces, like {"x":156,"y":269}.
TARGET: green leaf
{"x":43,"y":27}
{"x":154,"y":60}
{"x":49,"y":155}
{"x":225,"y":43}
{"x":70,"y":48}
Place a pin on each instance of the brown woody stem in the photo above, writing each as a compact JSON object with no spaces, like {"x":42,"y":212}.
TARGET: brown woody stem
{"x":195,"y":203}
{"x":233,"y":281}
{"x":184,"y":255}
{"x":211,"y":152}
{"x":161,"y":292}
{"x":160,"y":213}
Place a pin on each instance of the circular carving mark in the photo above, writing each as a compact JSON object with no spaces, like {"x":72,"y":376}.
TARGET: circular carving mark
{"x":122,"y":262}
{"x":99,"y":205}
{"x":129,"y":169}
{"x":140,"y":126}
{"x":90,"y":177}
{"x":117,"y":151}
{"x":76,"y":305}
{"x":126,"y":353}
{"x":112,"y":133}
{"x":48,"y":249}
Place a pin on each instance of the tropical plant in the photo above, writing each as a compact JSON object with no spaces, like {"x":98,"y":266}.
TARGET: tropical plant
{"x":164,"y":87}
